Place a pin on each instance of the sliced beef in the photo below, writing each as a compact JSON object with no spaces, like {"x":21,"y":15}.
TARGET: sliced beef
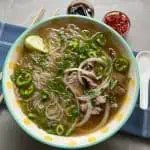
{"x":100,"y":100}
{"x":112,"y":52}
{"x":120,"y":78}
{"x":84,"y":107}
{"x":90,"y":83}
{"x":120,"y":89}
{"x":75,"y":85}
{"x":96,"y":111}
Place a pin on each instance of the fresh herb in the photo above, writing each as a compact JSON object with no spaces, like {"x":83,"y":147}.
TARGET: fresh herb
{"x":44,"y":95}
{"x":73,"y":44}
{"x":67,"y":101}
{"x":51,"y":131}
{"x":31,"y":115}
{"x":113,"y":83}
{"x":78,"y":51}
{"x":94,"y":93}
{"x":111,"y":99}
{"x":62,"y":36}
{"x":99,"y":39}
{"x":57,"y":86}
{"x":72,"y":112}
{"x":40,"y":60}
{"x":67,"y":62}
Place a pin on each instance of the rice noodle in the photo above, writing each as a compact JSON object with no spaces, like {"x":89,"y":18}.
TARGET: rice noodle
{"x":84,"y":98}
{"x":105,"y":117}
{"x":54,"y":112}
{"x":68,"y":85}
{"x":87,"y":115}
{"x":73,"y":126}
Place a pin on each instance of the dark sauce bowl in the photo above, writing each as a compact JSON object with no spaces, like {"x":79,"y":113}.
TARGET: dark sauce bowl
{"x":81,"y":7}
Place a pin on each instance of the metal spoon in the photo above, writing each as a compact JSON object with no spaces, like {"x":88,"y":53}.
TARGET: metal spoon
{"x":143,"y":60}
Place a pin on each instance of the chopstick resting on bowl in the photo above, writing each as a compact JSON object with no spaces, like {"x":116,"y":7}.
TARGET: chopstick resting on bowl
{"x":39,"y":16}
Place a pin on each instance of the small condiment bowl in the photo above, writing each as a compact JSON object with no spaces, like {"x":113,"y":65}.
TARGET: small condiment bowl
{"x":119,"y":21}
{"x":71,"y":142}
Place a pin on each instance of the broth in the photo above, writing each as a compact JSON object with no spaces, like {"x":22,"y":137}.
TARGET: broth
{"x":78,"y":85}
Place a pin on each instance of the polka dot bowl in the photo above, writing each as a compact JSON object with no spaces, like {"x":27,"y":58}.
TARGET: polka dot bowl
{"x":71,"y":142}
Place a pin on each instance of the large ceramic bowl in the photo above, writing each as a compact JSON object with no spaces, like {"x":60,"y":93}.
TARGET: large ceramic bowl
{"x":95,"y":137}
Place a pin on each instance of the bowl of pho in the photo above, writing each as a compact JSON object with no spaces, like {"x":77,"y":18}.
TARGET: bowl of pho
{"x":70,"y":81}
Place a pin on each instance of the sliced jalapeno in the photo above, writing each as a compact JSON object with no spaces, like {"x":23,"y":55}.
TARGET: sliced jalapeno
{"x":99,"y":39}
{"x":121,"y":64}
{"x":92,"y":54}
{"x":27,"y":91}
{"x":60,"y":129}
{"x":101,"y":68}
{"x":24,"y":79}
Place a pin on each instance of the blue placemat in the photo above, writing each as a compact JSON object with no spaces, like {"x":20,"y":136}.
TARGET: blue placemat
{"x":138,"y":124}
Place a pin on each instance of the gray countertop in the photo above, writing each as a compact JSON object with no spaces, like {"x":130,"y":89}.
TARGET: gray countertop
{"x":22,"y":11}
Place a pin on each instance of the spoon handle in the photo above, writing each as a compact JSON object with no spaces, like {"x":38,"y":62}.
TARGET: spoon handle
{"x":144,"y":88}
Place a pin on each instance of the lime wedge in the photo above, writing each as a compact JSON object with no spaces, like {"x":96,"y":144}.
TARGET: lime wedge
{"x":35,"y":42}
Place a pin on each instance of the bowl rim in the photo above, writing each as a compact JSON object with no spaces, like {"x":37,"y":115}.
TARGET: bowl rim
{"x":121,"y":40}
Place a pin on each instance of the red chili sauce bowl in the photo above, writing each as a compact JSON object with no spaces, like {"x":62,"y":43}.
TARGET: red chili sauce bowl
{"x":119,"y":21}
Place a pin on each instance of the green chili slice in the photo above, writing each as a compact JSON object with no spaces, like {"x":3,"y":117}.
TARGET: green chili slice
{"x":101,"y":68}
{"x":121,"y":64}
{"x":60,"y":129}
{"x":99,"y":39}
{"x":24,"y":79}
{"x":92,"y":54}
{"x":27,"y":91}
{"x":31,"y":115}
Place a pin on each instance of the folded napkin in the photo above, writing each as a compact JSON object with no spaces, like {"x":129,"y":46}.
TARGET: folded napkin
{"x":139,"y":122}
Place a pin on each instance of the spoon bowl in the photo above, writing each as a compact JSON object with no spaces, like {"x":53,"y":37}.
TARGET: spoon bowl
{"x":143,"y":59}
